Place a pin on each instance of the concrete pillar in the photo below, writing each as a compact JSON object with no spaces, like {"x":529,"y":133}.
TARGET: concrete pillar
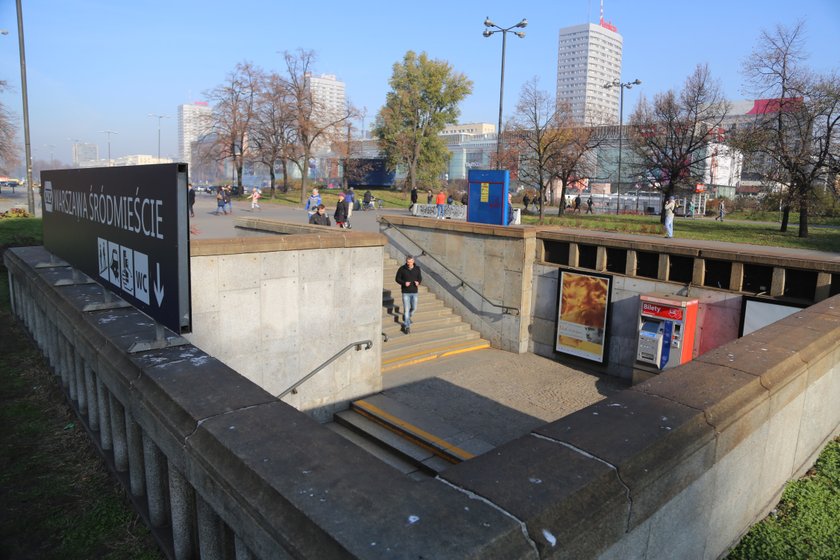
{"x":93,"y":402}
{"x":134,"y":440}
{"x":601,"y":258}
{"x":154,"y":464}
{"x":777,"y":287}
{"x":104,"y":415}
{"x":823,"y":289}
{"x":698,"y":273}
{"x":211,"y":531}
{"x":120,"y":445}
{"x":632,"y":263}
{"x":574,"y":254}
{"x":736,"y":277}
{"x":70,"y":366}
{"x":182,"y":502}
{"x":79,"y":374}
{"x":662,"y":272}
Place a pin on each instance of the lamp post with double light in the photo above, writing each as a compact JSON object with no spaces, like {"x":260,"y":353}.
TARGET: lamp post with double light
{"x":109,"y":133}
{"x":622,"y":86}
{"x":504,"y":31}
{"x":158,"y":117}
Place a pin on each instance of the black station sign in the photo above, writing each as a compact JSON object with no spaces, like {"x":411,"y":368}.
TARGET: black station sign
{"x":127,"y":228}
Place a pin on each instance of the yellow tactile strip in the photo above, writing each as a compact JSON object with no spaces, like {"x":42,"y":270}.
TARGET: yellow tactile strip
{"x":416,"y":434}
{"x":433,"y":354}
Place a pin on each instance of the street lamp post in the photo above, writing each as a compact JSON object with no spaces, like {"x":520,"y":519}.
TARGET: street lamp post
{"x":504,"y":31}
{"x":622,"y":86}
{"x":30,"y":191}
{"x":109,"y":133}
{"x":158,"y":117}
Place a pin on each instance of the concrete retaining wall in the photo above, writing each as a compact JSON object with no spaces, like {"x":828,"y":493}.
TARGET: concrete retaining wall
{"x":275,"y":308}
{"x":676,"y":467}
{"x":718,"y":318}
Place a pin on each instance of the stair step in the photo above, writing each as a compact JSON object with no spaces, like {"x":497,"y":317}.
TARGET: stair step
{"x":444,"y":440}
{"x":378,"y":451}
{"x":400,"y":343}
{"x":424,"y":353}
{"x":393,"y":324}
{"x":419,"y":457}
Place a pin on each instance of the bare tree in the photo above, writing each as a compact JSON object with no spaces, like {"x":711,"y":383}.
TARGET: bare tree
{"x":348,"y":149}
{"x":272,"y":128}
{"x":8,"y":130}
{"x":533,"y":130}
{"x":314,"y":120}
{"x":800,"y":137}
{"x":551,"y":146}
{"x":234,"y":104}
{"x":671,"y":136}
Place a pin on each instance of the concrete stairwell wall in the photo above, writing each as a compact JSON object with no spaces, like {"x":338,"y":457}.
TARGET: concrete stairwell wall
{"x":276,"y":307}
{"x":676,"y":467}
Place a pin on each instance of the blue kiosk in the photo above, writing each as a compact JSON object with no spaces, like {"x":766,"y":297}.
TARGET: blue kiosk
{"x":488,"y":196}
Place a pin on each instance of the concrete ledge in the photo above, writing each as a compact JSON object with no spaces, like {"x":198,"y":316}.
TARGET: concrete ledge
{"x":572,"y":504}
{"x":327,"y":239}
{"x":517,"y":232}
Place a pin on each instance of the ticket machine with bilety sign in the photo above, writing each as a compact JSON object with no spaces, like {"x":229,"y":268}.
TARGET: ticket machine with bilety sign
{"x":667,"y":327}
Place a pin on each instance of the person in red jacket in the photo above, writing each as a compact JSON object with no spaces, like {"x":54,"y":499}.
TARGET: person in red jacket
{"x":440,"y":208}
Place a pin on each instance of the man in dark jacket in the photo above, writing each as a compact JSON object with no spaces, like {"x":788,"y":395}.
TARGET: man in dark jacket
{"x":409,"y":278}
{"x":413,"y":198}
{"x":341,"y":212}
{"x":320,"y":218}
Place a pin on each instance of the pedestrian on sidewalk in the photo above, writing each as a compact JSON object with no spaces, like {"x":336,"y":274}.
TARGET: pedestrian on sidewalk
{"x":220,"y":201}
{"x":341,"y":214}
{"x":670,"y":205}
{"x":312,"y":202}
{"x":413,"y":198}
{"x":409,"y":278}
{"x":440,"y":205}
{"x":320,"y":218}
{"x":191,"y":199}
{"x":255,"y":197}
{"x":721,"y":211}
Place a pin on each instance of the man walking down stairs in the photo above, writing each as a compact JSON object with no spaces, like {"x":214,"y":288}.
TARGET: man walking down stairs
{"x":436,"y":330}
{"x":409,"y":277}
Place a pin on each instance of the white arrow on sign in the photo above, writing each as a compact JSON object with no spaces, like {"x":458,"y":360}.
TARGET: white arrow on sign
{"x":158,"y":287}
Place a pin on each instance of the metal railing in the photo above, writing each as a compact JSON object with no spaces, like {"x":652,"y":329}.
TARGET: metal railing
{"x":368,"y":344}
{"x":506,"y":309}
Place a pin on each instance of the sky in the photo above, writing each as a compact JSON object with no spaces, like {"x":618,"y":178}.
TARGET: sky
{"x":96,"y":65}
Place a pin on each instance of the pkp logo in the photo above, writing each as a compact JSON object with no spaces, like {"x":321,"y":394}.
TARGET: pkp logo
{"x":48,"y":196}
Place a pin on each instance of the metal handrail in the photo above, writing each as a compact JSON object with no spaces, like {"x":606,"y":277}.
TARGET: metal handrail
{"x":358,"y":345}
{"x":506,"y":309}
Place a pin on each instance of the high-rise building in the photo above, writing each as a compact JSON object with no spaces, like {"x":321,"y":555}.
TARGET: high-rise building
{"x":193,"y":123}
{"x":589,"y":56}
{"x":328,"y":95}
{"x":84,"y":153}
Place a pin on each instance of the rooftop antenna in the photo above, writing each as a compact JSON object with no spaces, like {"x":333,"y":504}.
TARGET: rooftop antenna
{"x":601,"y":20}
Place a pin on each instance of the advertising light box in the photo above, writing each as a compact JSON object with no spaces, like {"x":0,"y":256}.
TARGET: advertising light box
{"x":127,"y":228}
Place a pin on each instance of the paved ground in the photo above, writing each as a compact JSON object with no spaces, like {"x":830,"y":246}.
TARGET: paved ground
{"x":496,"y":395}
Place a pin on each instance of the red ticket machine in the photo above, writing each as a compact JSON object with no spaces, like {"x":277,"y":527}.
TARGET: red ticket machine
{"x":667,"y":325}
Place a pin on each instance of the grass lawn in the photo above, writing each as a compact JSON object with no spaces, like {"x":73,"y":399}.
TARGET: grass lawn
{"x":732,"y":230}
{"x":57,"y":498}
{"x":806,"y":523}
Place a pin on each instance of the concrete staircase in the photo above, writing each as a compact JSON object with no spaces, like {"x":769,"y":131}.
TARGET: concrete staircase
{"x":436,"y":331}
{"x":410,"y":441}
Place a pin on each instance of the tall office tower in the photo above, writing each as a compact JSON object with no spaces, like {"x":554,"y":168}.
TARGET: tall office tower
{"x":193,"y":123}
{"x":328,"y":94}
{"x":85,"y":153}
{"x":588,"y":57}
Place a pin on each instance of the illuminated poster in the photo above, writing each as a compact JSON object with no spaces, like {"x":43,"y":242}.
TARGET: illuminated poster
{"x":582,"y":311}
